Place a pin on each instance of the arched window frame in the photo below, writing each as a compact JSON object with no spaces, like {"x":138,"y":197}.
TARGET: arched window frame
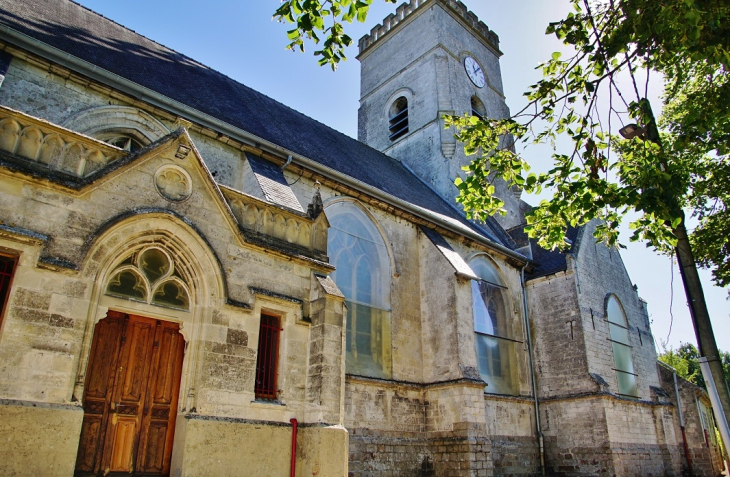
{"x":113,"y":123}
{"x":495,"y":342}
{"x":368,"y":342}
{"x":125,"y":140}
{"x":618,"y":328}
{"x":398,"y":118}
{"x":477,"y":107}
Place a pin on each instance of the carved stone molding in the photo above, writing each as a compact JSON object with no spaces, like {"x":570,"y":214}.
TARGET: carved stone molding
{"x":266,"y":219}
{"x":55,"y":147}
{"x":121,"y":119}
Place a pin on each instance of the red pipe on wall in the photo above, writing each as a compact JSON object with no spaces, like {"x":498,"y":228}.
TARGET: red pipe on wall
{"x":294,"y":426}
{"x":686,"y":453}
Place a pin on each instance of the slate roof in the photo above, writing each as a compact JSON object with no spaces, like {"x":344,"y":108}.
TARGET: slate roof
{"x":545,"y":262}
{"x":273,"y":183}
{"x":80,"y":32}
{"x":460,"y":266}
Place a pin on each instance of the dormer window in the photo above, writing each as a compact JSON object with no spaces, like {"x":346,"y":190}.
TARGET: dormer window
{"x":122,"y":141}
{"x":398,"y":122}
{"x":477,"y":108}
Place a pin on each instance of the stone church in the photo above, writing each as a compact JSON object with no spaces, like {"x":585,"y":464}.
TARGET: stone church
{"x":196,"y":280}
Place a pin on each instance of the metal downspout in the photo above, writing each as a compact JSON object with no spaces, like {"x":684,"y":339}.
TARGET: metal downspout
{"x":532,"y":371}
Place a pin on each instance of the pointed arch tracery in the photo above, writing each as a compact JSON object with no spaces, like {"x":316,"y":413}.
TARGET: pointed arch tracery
{"x":357,"y":249}
{"x":150,"y":275}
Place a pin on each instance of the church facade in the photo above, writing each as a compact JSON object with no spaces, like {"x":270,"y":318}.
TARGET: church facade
{"x":197,"y":280}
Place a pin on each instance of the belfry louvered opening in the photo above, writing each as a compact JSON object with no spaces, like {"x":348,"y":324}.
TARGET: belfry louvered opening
{"x":398,"y":122}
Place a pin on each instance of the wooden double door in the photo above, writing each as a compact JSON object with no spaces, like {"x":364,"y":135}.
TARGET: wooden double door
{"x":130,"y":397}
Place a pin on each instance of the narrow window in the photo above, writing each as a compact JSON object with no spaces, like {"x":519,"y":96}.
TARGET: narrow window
{"x":496,"y":347}
{"x":619,"y":331}
{"x":708,"y":426}
{"x":398,"y":123}
{"x":477,"y":108}
{"x":266,"y":361}
{"x":7,"y":268}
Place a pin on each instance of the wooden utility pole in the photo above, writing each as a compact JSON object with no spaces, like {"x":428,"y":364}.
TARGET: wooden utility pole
{"x":706,"y":344}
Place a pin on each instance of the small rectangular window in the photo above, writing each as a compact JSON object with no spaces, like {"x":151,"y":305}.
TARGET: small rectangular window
{"x":268,"y":355}
{"x":7,"y":268}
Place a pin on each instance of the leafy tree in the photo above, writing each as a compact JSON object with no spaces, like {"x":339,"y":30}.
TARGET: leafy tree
{"x":315,"y":18}
{"x":685,"y":360}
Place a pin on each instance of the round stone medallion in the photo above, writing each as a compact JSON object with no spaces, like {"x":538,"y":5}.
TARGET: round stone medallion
{"x":173,"y":183}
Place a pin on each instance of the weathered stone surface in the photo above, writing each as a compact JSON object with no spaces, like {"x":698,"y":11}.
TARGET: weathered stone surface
{"x":38,"y":439}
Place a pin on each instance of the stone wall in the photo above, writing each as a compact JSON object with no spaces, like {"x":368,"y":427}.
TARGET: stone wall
{"x":561,"y":365}
{"x":39,"y":439}
{"x":70,"y":242}
{"x":704,"y":453}
{"x":602,"y":273}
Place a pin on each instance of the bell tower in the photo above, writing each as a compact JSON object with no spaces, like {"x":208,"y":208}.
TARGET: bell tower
{"x":430,"y":58}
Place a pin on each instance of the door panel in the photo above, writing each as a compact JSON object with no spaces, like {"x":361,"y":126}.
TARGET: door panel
{"x":163,"y":390}
{"x":123,"y":442}
{"x":133,"y":369}
{"x":99,"y":389}
{"x":130,"y":397}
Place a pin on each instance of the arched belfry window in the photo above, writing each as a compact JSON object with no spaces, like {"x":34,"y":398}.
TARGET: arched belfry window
{"x":357,"y":250}
{"x":618,"y":328}
{"x":477,"y":108}
{"x":496,"y":346}
{"x":398,"y":118}
{"x":149,"y":275}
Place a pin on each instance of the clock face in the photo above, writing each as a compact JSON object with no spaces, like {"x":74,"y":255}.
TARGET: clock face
{"x":474,"y":71}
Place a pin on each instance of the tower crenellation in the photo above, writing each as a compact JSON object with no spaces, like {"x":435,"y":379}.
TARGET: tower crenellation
{"x":406,"y":8}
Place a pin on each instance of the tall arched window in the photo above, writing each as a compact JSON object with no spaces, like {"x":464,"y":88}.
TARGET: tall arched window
{"x":618,"y":328}
{"x":398,"y":118}
{"x":496,"y":345}
{"x":358,"y":252}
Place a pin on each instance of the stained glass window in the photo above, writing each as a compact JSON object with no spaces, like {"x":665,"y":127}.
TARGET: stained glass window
{"x":128,"y":284}
{"x":357,"y":250}
{"x":172,"y":294}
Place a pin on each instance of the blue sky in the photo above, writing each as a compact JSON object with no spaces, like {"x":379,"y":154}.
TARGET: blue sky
{"x":238,"y":38}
